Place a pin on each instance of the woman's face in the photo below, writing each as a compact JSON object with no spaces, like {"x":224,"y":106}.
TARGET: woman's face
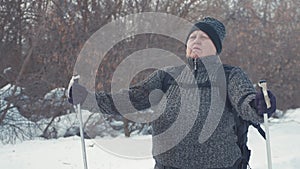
{"x":199,"y":45}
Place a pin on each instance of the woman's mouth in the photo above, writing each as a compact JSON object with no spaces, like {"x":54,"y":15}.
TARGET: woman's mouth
{"x":196,"y":48}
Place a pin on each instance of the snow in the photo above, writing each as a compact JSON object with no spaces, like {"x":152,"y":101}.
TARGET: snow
{"x":285,"y":139}
{"x":122,"y":153}
{"x":65,"y":153}
{"x":56,"y":93}
{"x":8,"y":90}
{"x":6,"y":69}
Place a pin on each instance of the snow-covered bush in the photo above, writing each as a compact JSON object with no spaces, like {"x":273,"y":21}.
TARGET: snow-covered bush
{"x":21,"y":116}
{"x":13,"y":126}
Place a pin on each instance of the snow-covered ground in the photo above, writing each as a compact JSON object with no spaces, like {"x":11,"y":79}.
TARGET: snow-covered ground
{"x":65,"y":153}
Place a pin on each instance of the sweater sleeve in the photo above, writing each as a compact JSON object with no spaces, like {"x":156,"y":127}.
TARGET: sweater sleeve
{"x":241,"y":93}
{"x":138,"y":97}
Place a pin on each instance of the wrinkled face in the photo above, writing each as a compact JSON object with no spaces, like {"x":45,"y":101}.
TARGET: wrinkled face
{"x":199,"y":45}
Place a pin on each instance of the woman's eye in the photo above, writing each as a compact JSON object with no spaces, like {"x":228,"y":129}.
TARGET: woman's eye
{"x":192,"y":37}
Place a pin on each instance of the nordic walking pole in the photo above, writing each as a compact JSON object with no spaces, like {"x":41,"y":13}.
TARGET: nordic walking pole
{"x":78,"y":97}
{"x":77,"y":107}
{"x":263,"y":85}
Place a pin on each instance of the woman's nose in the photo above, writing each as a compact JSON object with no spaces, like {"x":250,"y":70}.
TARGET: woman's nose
{"x":198,"y":40}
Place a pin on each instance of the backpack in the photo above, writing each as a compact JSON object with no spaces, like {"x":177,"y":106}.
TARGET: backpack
{"x":241,"y":126}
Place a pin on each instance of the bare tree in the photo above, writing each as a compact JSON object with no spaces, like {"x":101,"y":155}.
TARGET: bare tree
{"x":41,"y":40}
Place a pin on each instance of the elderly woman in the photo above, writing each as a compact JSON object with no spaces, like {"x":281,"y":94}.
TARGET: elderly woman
{"x":195,"y":150}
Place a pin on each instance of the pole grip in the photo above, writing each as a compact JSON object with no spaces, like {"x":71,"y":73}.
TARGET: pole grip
{"x":263,"y":85}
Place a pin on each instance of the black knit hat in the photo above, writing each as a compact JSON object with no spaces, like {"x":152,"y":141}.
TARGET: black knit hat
{"x":213,"y":28}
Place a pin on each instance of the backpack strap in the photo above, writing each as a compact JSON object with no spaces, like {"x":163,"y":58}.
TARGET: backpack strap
{"x":259,"y":129}
{"x":241,"y":129}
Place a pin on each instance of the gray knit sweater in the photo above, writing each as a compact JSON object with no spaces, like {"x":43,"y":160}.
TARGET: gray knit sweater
{"x":183,"y":112}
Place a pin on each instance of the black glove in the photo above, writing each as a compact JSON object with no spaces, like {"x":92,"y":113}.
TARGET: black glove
{"x":76,"y":92}
{"x":261,"y":105}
